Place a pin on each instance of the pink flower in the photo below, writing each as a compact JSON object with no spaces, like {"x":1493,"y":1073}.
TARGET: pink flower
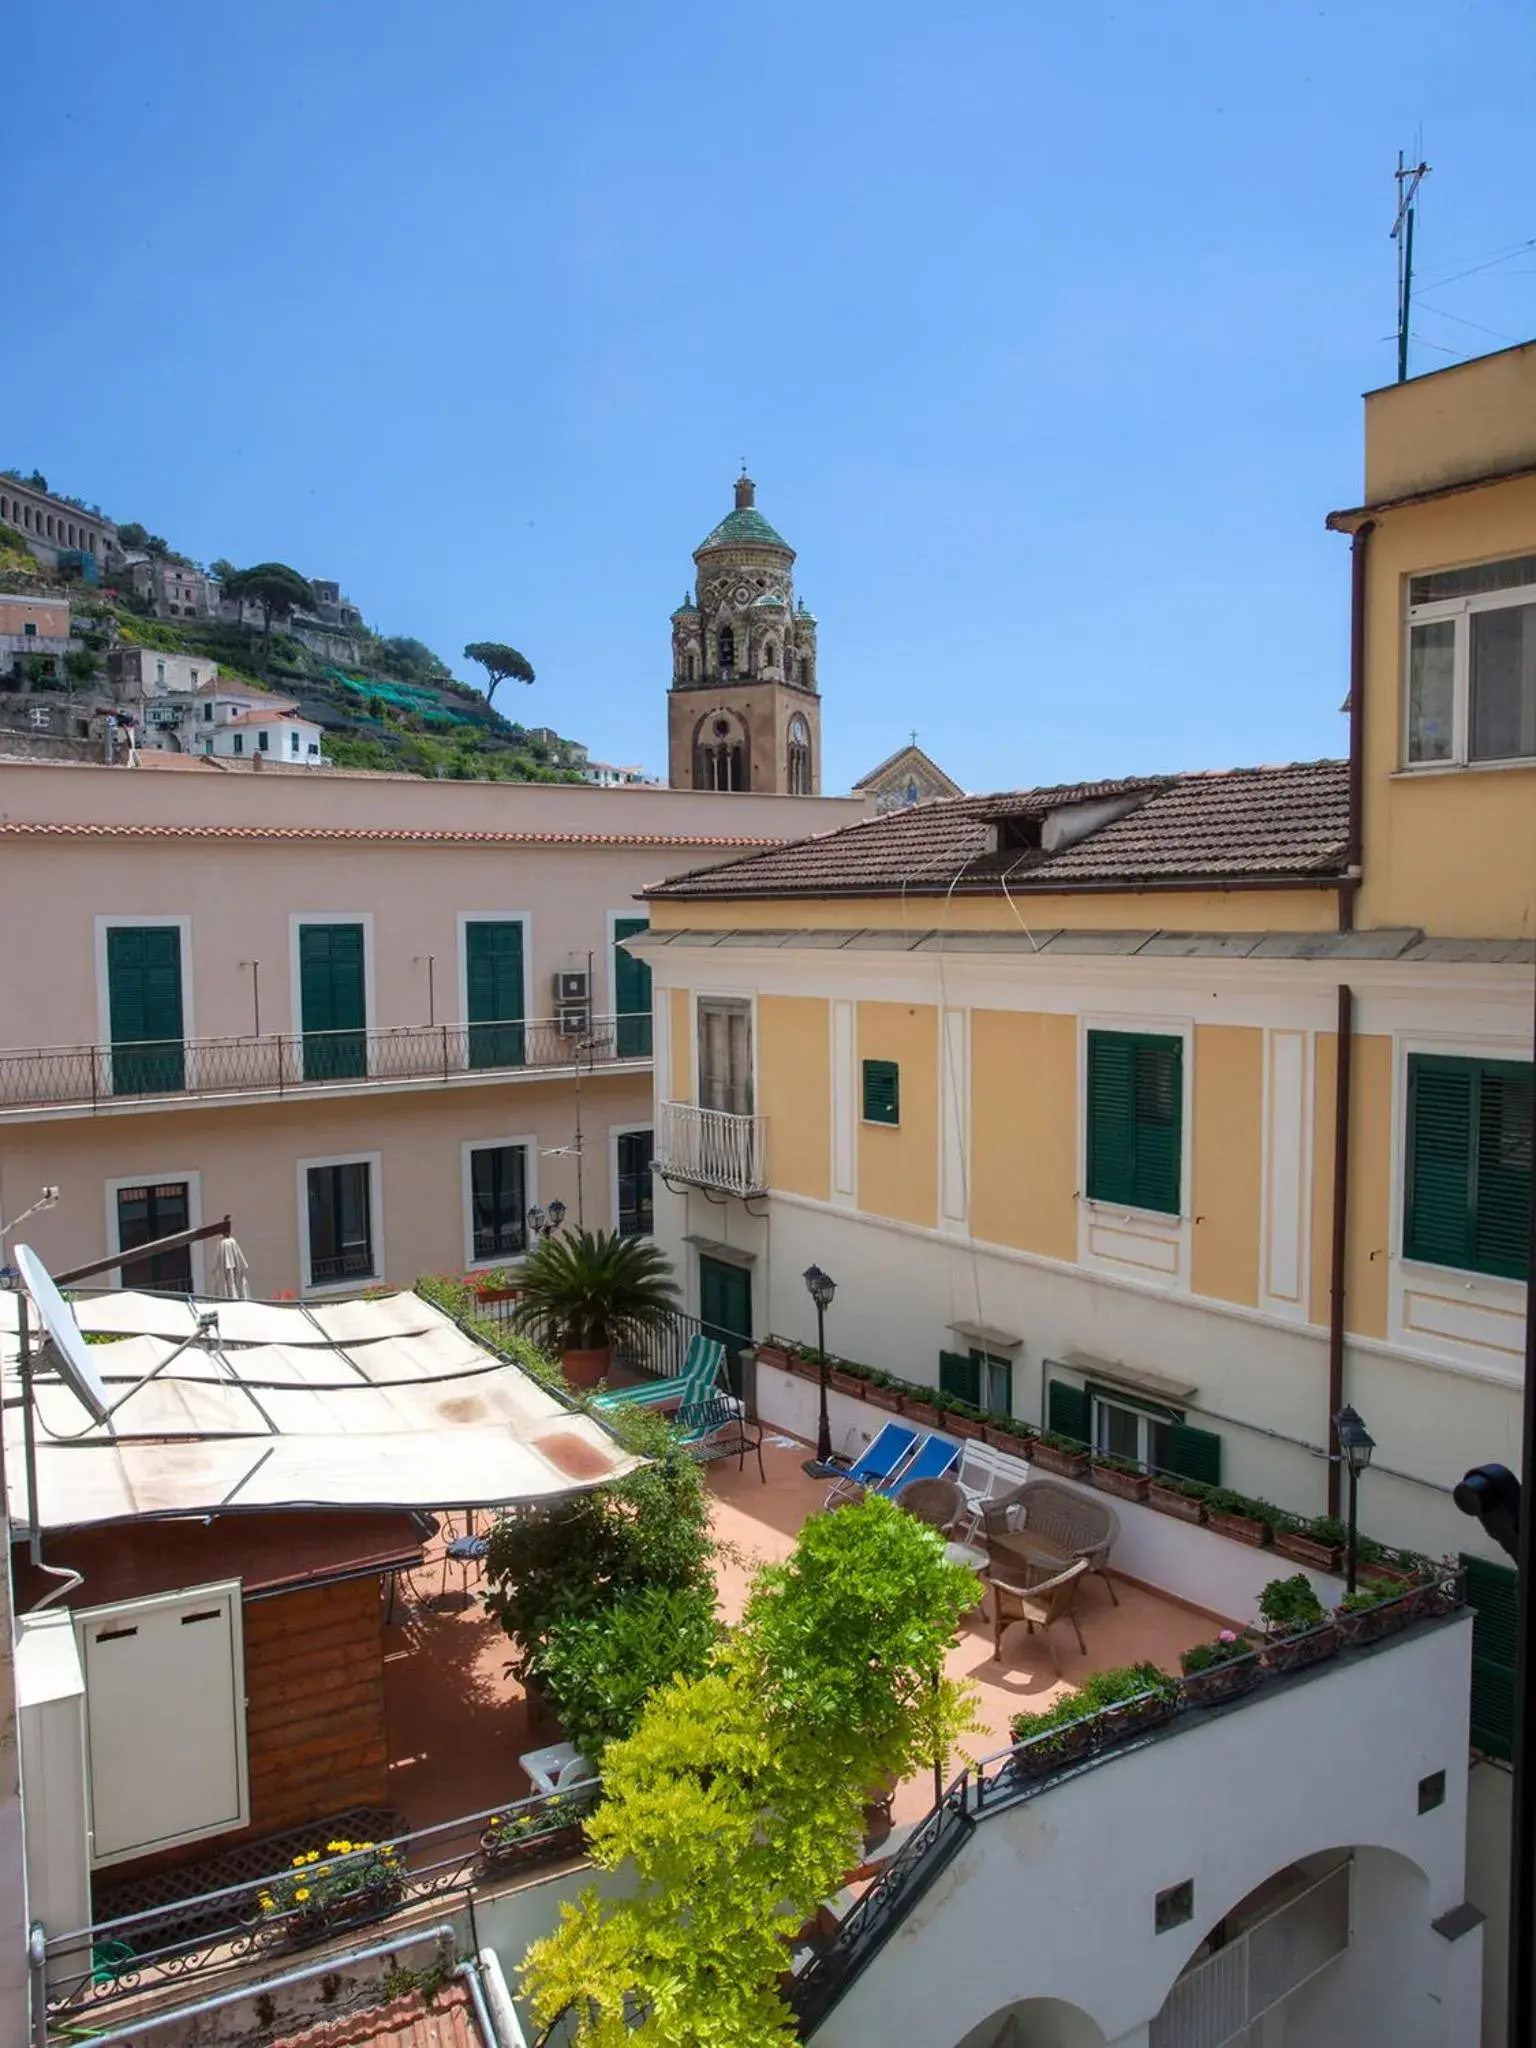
{"x":1228,"y":1635}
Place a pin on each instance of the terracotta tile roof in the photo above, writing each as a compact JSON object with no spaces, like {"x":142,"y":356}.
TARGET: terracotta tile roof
{"x":448,"y":2022}
{"x":381,"y":835}
{"x":1255,"y":825}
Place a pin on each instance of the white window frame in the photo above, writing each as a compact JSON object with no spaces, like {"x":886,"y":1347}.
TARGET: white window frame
{"x":736,"y":997}
{"x":194,"y":1181}
{"x":297,"y":919}
{"x":1144,"y":1425}
{"x":522,"y":917}
{"x":1460,"y":610}
{"x":1150,"y":1246}
{"x":374,"y":1161}
{"x":107,"y":922}
{"x":615,"y":1132}
{"x":530,"y":1147}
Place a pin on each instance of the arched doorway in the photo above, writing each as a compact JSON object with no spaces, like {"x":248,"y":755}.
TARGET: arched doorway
{"x":1036,"y":2023}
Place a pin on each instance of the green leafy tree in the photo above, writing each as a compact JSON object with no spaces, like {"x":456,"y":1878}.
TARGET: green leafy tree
{"x":581,"y":1291}
{"x":738,"y":1801}
{"x":501,"y":664}
{"x":79,"y":668}
{"x":133,"y":535}
{"x":279,"y":590}
{"x":413,"y":660}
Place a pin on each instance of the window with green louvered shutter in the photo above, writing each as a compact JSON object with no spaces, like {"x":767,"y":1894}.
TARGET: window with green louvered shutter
{"x":1135,"y":1119}
{"x":333,"y":1006}
{"x":144,"y":1008}
{"x":1069,"y":1412}
{"x":493,"y":983}
{"x":1192,"y":1454}
{"x":631,"y":992}
{"x":960,"y":1377}
{"x":1467,"y":1181}
{"x":882,"y":1092}
{"x":1492,"y":1595}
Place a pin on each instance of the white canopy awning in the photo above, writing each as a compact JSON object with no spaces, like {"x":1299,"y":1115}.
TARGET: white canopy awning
{"x":383,"y":1403}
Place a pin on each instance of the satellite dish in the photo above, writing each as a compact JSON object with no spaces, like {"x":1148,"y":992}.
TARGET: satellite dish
{"x":74,"y":1354}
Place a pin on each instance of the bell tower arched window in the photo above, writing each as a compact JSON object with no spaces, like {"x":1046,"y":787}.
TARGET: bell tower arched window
{"x":727,"y":650}
{"x":721,"y":757}
{"x":798,"y":760}
{"x":768,"y":654}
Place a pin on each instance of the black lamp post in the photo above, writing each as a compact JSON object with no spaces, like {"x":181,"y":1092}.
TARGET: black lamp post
{"x":545,"y":1222}
{"x":1357,"y":1444}
{"x":821,"y":1287}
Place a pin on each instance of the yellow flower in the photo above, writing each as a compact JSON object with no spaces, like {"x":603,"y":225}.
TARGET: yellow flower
{"x":299,"y":1862}
{"x":266,"y":1902}
{"x":302,"y":1892}
{"x":324,"y":1870}
{"x":313,"y":1856}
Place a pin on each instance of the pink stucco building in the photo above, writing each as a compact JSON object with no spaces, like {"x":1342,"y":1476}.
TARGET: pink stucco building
{"x":371,"y":1018}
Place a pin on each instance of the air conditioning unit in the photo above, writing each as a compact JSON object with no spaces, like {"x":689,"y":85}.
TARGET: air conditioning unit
{"x":573,"y":1020}
{"x":570,"y":988}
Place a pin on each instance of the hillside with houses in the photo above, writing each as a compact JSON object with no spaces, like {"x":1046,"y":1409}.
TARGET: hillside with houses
{"x":112,"y":641}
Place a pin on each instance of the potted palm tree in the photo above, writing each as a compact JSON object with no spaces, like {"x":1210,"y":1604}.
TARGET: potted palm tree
{"x":581,"y":1292}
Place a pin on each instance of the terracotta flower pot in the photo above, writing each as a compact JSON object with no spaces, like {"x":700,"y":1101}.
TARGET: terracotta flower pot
{"x":1124,"y":1485}
{"x":1307,"y":1549}
{"x":923,"y":1413}
{"x":1066,"y":1464}
{"x":1296,"y":1652}
{"x":1241,"y":1529}
{"x":1370,"y":1624}
{"x":586,"y":1368}
{"x":775,"y":1355}
{"x":1222,"y":1681}
{"x":883,"y":1397}
{"x":847,"y":1383}
{"x":1169,"y":1501}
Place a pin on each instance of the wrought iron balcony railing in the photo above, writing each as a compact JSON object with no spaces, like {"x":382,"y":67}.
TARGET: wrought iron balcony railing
{"x":712,"y":1148}
{"x":100,"y":1077}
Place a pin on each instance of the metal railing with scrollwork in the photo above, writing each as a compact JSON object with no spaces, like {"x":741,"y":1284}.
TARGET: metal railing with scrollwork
{"x":713,"y":1148}
{"x":104,"y":1077}
{"x":215,"y":1931}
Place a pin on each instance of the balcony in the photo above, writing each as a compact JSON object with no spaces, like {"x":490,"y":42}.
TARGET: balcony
{"x":713,"y":1149}
{"x":83,"y":1080}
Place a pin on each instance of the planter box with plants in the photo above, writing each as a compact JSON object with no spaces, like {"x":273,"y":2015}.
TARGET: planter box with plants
{"x":1376,"y":1611}
{"x":1220,"y":1669}
{"x":530,"y":1833}
{"x":1107,"y":1708}
{"x":1297,"y":1632}
{"x":1183,"y":1499}
{"x":1116,"y":1476}
{"x":1319,"y":1541}
{"x":1244,"y":1520}
{"x":1063,"y":1455}
{"x":332,"y":1887}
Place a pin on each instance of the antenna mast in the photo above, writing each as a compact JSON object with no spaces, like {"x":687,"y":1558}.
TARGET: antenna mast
{"x":1409,"y":180}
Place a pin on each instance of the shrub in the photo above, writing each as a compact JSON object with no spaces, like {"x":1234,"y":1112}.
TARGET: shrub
{"x":1189,"y":1489}
{"x":1104,"y":1689}
{"x":1290,"y":1605}
{"x":601,"y":1667}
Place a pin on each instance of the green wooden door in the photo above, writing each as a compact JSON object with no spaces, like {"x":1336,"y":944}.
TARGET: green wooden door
{"x":631,"y":993}
{"x":333,"y":1005}
{"x":725,"y":1310}
{"x":493,"y":977}
{"x":144,"y":1007}
{"x":1494,"y":1597}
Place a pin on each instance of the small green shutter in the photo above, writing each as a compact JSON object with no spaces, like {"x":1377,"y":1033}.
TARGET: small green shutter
{"x":1194,"y":1454}
{"x":1135,"y":1119}
{"x":631,"y":993}
{"x":332,"y":1001}
{"x":144,"y":1008}
{"x":960,"y":1377}
{"x":1493,"y":1595}
{"x":882,"y":1092}
{"x":493,"y":978}
{"x":1069,"y":1412}
{"x":1467,"y":1184}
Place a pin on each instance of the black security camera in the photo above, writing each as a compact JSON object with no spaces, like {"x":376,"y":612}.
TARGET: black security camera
{"x":1490,"y":1494}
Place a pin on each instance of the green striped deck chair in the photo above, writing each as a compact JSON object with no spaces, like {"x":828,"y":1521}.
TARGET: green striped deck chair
{"x":701,"y":1370}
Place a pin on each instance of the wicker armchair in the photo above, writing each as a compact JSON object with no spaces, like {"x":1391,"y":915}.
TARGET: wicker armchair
{"x":1044,"y":1519}
{"x":1039,"y":1607}
{"x":938,"y":1502}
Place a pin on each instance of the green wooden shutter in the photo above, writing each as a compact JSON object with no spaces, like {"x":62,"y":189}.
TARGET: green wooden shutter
{"x":332,"y":1001}
{"x":1438,"y":1181}
{"x":631,"y":993}
{"x":1135,"y":1119}
{"x":960,"y":1376}
{"x":882,"y":1092}
{"x":144,"y":1008}
{"x":1069,"y":1412}
{"x":1194,"y":1454}
{"x":493,"y":978}
{"x":1501,"y":1230}
{"x":1493,"y":1595}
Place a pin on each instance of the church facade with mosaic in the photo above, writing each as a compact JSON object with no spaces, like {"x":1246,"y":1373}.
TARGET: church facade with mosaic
{"x":744,"y":711}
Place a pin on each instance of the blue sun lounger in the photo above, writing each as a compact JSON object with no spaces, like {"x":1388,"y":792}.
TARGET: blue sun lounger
{"x":695,"y":1383}
{"x":934,"y":1458}
{"x":875,"y":1465}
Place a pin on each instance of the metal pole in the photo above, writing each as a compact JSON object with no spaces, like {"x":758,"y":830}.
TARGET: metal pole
{"x":1402,"y":325}
{"x":1354,"y":1490}
{"x":823,"y":1420}
{"x":28,"y":1427}
{"x":1339,"y":1248}
{"x":1522,"y":1846}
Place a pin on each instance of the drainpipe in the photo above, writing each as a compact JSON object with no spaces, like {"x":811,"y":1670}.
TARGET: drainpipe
{"x":1340,"y":1246}
{"x":1355,"y":843}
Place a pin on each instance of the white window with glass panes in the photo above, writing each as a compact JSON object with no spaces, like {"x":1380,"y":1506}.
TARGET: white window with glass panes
{"x":1471,"y":665}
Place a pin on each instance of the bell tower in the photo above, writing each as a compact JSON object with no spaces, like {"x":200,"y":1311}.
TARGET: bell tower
{"x":743,"y":712}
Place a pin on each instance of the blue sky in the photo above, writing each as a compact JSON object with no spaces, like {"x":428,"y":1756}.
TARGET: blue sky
{"x":1042,"y":330}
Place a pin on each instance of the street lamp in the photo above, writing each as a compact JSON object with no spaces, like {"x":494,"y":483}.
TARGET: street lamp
{"x":821,"y":1288}
{"x":545,"y":1222}
{"x":1356,"y":1445}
